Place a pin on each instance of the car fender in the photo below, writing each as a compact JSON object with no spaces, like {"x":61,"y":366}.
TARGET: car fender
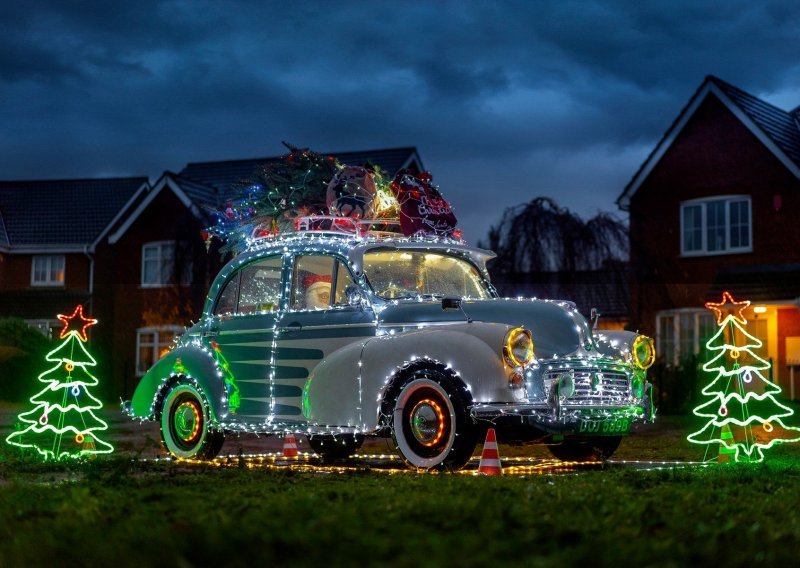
{"x":615,"y":343}
{"x":193,"y":362}
{"x":473,"y":351}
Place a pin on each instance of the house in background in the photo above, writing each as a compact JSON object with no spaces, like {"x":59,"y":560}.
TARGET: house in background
{"x":50,"y":231}
{"x":715,"y":207}
{"x":131,"y":252}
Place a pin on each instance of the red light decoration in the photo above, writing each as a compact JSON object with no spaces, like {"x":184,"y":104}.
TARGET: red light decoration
{"x":77,"y":323}
{"x":728,"y":304}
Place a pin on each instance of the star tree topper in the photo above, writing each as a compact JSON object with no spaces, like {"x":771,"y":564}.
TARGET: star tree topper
{"x":728,"y":306}
{"x":76,"y":323}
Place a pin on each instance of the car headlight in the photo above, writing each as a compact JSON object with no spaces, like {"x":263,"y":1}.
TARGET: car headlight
{"x":518,"y":347}
{"x":644,"y":352}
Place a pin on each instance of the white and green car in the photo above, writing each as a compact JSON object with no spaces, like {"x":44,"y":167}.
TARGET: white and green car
{"x":340,"y":337}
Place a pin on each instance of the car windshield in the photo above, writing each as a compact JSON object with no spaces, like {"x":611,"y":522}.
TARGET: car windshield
{"x":401,"y":274}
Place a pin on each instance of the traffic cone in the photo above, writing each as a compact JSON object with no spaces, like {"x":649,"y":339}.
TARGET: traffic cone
{"x":726,"y":452}
{"x":490,"y":459}
{"x":290,"y":446}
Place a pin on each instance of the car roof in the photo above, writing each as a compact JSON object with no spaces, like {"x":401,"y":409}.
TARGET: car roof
{"x":354,"y":247}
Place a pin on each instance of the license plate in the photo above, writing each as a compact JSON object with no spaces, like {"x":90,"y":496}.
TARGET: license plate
{"x":607,"y":427}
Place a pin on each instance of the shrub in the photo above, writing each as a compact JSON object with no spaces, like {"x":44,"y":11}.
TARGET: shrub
{"x":22,"y":351}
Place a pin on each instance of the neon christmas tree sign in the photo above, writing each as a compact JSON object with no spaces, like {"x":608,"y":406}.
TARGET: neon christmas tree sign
{"x":63,"y":425}
{"x":743,"y":413}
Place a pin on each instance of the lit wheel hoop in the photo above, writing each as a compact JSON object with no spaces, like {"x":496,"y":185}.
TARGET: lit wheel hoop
{"x":424,"y":423}
{"x":185,"y":424}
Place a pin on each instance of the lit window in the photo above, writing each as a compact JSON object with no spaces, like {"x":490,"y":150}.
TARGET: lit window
{"x":47,"y":270}
{"x":716,"y":226}
{"x":152,"y":344}
{"x":683,"y":333}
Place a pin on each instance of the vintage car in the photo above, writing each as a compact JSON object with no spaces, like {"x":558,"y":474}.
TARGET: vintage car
{"x":341,"y":336}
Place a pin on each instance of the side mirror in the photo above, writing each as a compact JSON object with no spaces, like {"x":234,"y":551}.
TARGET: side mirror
{"x":354,"y":295}
{"x":594,"y":316}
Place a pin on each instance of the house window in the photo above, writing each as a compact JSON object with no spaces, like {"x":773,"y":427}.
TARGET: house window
{"x":45,"y":326}
{"x":716,"y":226}
{"x":152,"y":343}
{"x":158,"y":265}
{"x":47,"y":270}
{"x":682,"y":333}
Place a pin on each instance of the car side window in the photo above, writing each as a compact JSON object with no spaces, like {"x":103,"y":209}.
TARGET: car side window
{"x":226,"y":304}
{"x":256,"y":288}
{"x":311,"y":282}
{"x":260,"y":286}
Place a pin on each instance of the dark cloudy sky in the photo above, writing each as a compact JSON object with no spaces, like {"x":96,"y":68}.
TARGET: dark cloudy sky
{"x":504,"y":100}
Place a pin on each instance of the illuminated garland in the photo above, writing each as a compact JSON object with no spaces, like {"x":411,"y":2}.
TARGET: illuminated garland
{"x":231,"y":388}
{"x":741,"y":419}
{"x":63,"y":423}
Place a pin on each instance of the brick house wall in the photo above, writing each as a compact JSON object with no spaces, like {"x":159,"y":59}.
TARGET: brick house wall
{"x":133,"y":306}
{"x":715,"y":154}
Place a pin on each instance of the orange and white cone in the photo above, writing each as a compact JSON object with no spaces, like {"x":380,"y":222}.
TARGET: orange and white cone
{"x":290,"y":446}
{"x":490,"y":459}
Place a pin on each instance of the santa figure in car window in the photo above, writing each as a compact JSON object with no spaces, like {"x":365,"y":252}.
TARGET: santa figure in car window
{"x":317,"y":291}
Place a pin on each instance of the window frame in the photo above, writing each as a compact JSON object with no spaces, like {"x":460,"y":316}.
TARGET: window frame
{"x":160,"y":246}
{"x":703,"y":203}
{"x":697,"y":341}
{"x":157,"y":331}
{"x":48,"y":271}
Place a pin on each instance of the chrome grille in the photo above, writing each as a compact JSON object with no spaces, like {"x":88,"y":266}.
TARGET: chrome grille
{"x":593,"y":385}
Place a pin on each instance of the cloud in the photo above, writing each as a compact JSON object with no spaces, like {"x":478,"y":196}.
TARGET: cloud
{"x":516,"y":98}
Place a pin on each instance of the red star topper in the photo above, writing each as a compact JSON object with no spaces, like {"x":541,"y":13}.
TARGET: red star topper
{"x":728,"y":305}
{"x":77,"y":323}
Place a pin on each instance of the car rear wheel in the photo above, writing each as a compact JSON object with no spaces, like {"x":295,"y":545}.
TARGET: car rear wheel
{"x":431,"y":426}
{"x":595,"y":449}
{"x":332,"y":448}
{"x":185,"y":426}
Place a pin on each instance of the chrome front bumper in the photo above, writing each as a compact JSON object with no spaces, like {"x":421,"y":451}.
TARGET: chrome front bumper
{"x":558,"y":414}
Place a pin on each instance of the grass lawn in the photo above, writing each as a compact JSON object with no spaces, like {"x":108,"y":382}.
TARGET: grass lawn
{"x":118,"y":512}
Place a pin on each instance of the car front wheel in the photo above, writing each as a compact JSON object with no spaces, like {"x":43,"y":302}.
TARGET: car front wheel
{"x":431,"y":426}
{"x":185,"y":426}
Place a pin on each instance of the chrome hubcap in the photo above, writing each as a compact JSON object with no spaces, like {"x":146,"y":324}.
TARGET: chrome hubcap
{"x":427,"y":422}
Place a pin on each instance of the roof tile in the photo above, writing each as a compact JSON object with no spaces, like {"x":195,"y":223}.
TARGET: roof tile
{"x":62,"y":212}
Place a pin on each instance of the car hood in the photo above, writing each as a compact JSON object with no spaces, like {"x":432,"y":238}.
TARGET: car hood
{"x":557,"y":328}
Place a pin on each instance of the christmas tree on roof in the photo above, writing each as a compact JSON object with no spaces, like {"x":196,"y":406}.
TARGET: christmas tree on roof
{"x":310,"y":191}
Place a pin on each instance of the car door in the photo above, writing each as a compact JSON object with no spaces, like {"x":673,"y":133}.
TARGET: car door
{"x":316,"y":323}
{"x":240,"y":336}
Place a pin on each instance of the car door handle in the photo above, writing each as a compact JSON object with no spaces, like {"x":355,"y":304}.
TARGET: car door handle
{"x":211,"y":332}
{"x":293,"y":327}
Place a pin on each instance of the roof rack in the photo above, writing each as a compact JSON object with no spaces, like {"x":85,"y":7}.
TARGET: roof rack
{"x":354,"y":228}
{"x":358,"y":228}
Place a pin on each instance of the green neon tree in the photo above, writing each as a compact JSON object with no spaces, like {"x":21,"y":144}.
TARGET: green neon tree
{"x":743,"y":414}
{"x":231,"y":388}
{"x":62,"y":424}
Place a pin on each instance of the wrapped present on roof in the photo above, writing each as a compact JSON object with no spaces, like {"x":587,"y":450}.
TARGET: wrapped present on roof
{"x":307,"y":191}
